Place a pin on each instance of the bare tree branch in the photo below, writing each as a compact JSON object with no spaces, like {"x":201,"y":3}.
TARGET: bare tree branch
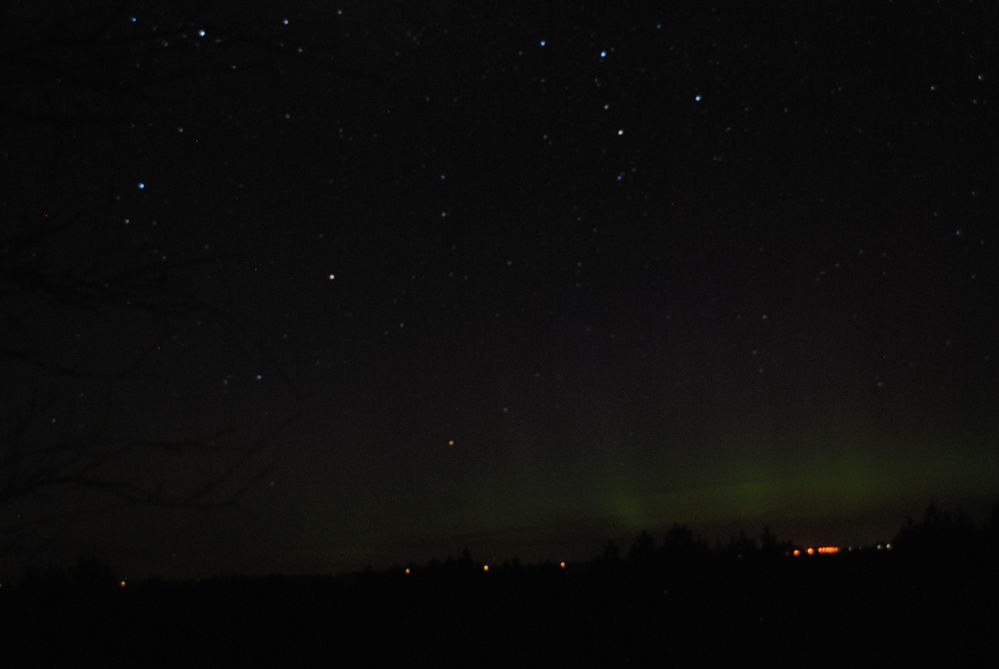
{"x":79,"y":73}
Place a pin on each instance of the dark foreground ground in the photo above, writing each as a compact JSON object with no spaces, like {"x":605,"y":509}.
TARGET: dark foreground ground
{"x":860,"y":609}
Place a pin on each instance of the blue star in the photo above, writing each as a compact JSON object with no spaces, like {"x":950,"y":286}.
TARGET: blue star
{"x":201,"y":33}
{"x":133,"y":19}
{"x":141,"y":185}
{"x":697,"y":98}
{"x":603,"y":54}
{"x":543,"y":43}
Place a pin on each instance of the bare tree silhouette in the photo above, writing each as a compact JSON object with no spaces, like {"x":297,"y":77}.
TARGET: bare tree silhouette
{"x":84,"y":78}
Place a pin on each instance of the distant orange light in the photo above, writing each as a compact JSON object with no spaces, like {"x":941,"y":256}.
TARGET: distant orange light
{"x":810,"y":551}
{"x":561,"y":564}
{"x":797,"y":552}
{"x":485,"y":567}
{"x":450,"y":442}
{"x":122,"y":583}
{"x":829,"y":550}
{"x":408,"y":571}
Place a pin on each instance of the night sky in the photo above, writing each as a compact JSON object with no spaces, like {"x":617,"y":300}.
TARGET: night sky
{"x":404,"y":278}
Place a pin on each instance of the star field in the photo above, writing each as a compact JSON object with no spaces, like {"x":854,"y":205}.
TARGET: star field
{"x":512,"y":278}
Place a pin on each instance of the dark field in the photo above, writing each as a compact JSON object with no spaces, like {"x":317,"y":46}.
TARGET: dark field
{"x":853,"y":607}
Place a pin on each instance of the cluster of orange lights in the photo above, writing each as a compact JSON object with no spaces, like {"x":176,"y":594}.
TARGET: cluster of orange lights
{"x":824,"y":550}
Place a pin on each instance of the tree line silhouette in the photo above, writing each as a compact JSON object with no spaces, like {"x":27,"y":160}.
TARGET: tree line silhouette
{"x":677,"y":598}
{"x":938,"y":534}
